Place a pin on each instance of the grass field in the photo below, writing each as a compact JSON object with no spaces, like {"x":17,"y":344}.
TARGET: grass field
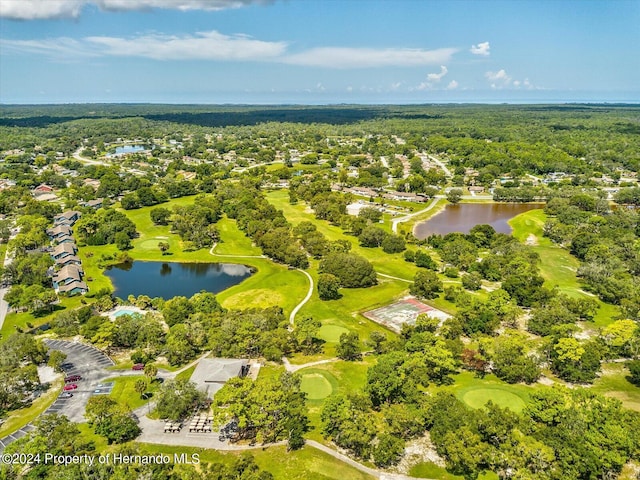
{"x":432,"y":471}
{"x":20,"y":320}
{"x":318,"y":384}
{"x":304,"y":464}
{"x":124,"y":391}
{"x":613,"y":383}
{"x":476,"y":392}
{"x":557,"y":266}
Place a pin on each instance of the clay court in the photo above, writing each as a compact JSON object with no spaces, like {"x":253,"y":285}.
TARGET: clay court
{"x":393,"y":316}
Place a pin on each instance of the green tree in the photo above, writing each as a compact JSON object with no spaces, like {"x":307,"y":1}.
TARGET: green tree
{"x":178,"y":398}
{"x":377,"y":341}
{"x":164,"y":247}
{"x":454,"y":195}
{"x":348,"y":347}
{"x":388,"y":451}
{"x":393,"y":244}
{"x":426,"y":284}
{"x":150,"y":370}
{"x":328,"y":287}
{"x":56,"y":359}
{"x":352,"y":270}
{"x":370,"y":214}
{"x":306,"y":335}
{"x":472,"y":281}
{"x":372,"y":236}
{"x":177,"y":310}
{"x":141,"y":386}
{"x":634,"y":370}
{"x":267,"y":410}
{"x":160,"y":215}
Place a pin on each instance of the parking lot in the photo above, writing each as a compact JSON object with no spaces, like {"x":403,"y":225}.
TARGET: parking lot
{"x":83,"y":360}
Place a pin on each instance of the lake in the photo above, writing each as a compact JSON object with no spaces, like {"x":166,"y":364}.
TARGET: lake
{"x":464,"y":216}
{"x":127,"y":149}
{"x":170,"y":279}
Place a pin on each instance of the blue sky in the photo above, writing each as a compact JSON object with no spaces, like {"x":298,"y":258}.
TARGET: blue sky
{"x":319,"y":52}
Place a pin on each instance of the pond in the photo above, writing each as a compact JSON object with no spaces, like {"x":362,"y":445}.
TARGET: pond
{"x":127,"y":149}
{"x":170,"y":279}
{"x":464,"y":216}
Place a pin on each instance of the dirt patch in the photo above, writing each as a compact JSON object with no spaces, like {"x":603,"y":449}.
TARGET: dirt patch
{"x":545,"y":381}
{"x":419,"y":451}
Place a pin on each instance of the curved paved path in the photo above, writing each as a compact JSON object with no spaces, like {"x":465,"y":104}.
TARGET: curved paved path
{"x":394,"y":278}
{"x":232,"y":256}
{"x":294,"y":368}
{"x":297,"y":308}
{"x":396,"y":221}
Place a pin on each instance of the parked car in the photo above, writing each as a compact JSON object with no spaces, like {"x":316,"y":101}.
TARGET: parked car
{"x":138,"y":366}
{"x":66,"y":395}
{"x":72,"y":378}
{"x":70,"y":386}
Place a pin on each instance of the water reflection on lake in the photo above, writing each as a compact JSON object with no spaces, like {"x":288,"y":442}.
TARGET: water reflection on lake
{"x":463,"y":217}
{"x":170,"y":279}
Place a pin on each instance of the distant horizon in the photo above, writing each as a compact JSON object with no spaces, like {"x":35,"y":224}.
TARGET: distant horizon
{"x":333,"y":104}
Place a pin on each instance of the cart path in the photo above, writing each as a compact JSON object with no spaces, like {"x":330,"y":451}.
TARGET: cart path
{"x":297,"y":308}
{"x":396,"y":221}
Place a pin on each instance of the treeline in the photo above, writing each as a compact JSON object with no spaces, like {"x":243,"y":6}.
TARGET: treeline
{"x":193,"y":325}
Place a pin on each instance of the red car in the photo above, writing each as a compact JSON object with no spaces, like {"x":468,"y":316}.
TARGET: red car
{"x":71,"y":386}
{"x":72,"y":378}
{"x":138,"y":366}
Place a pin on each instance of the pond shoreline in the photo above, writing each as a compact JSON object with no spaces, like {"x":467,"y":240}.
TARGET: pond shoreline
{"x":462,"y":217}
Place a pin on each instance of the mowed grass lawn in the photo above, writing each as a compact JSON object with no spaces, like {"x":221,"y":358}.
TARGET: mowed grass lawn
{"x":476,"y":392}
{"x":305,"y":464}
{"x":613,"y":383}
{"x":124,"y":390}
{"x":557,"y":265}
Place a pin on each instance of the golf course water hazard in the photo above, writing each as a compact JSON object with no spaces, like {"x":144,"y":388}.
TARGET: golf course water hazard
{"x":170,"y":279}
{"x":463,"y":217}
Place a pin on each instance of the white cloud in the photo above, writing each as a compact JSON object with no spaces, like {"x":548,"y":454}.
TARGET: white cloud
{"x":216,"y":46}
{"x":431,"y":79}
{"x":481,"y":49}
{"x":41,"y":9}
{"x":498,"y":79}
{"x":501,"y":79}
{"x":34,"y":9}
{"x":452,"y":85}
{"x":436,"y":77}
{"x":201,"y":46}
{"x":62,"y":48}
{"x":345,"y":57}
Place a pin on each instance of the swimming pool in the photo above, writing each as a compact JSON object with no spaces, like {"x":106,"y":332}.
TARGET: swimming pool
{"x":124,"y":311}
